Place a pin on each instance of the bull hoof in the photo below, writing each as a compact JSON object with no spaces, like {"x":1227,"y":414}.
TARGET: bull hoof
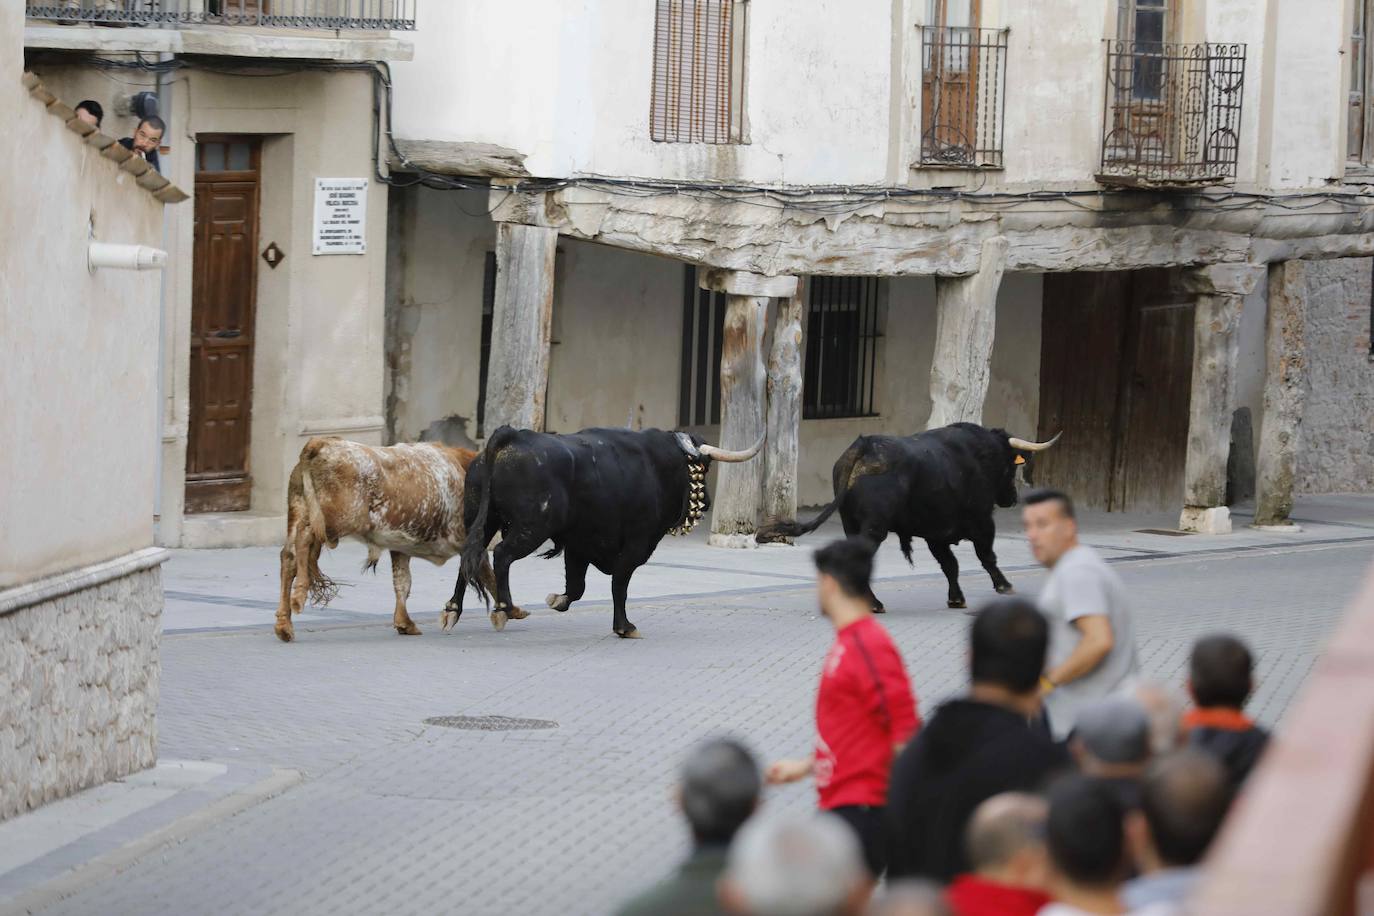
{"x":1006,"y":589}
{"x":559,"y":603}
{"x":410,"y":629}
{"x":517,"y":613}
{"x":285,"y":632}
{"x":498,"y":620}
{"x":448,"y":619}
{"x":631,"y":633}
{"x":957,"y":603}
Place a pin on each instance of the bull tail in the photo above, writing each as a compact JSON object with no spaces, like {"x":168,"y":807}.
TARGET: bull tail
{"x":844,"y":469}
{"x":374,"y":554}
{"x":311,"y":536}
{"x":906,"y":548}
{"x":475,"y":565}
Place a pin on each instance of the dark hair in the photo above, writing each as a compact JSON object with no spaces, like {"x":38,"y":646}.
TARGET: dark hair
{"x":1008,"y":640}
{"x":1220,"y":671}
{"x":850,"y":563}
{"x":94,"y":108}
{"x":1044,"y":495}
{"x":154,"y":122}
{"x":720,"y":789}
{"x":1184,"y":796}
{"x":1084,"y":831}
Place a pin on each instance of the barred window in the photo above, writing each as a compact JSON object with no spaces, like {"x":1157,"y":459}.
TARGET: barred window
{"x":841,"y":347}
{"x":488,"y":311}
{"x":698,"y":79}
{"x":703,"y":327}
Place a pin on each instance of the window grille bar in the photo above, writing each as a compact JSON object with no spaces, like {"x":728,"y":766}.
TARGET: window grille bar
{"x":963,"y":89}
{"x":696,"y":97}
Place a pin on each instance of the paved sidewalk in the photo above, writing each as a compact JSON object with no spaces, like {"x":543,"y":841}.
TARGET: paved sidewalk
{"x":397,"y":814}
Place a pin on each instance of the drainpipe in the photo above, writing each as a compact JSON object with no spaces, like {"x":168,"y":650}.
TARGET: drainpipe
{"x":164,"y":104}
{"x":125,"y":257}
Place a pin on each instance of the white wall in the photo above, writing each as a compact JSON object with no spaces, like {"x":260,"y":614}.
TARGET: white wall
{"x":833,"y":89}
{"x":80,"y":365}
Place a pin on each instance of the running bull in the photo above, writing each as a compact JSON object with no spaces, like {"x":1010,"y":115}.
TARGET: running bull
{"x":604,"y":497}
{"x":940,"y":486}
{"x":407,"y":499}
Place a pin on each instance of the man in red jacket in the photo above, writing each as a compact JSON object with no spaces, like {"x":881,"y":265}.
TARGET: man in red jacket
{"x":1006,"y":849}
{"x":865,"y":710}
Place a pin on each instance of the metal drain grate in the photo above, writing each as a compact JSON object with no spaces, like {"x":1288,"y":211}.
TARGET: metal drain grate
{"x":490,"y":723}
{"x":1167,"y":532}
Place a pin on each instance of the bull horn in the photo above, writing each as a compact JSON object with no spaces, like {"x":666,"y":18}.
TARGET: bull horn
{"x":722,"y":454}
{"x":1028,"y":446}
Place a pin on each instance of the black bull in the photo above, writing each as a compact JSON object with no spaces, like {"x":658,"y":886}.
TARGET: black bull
{"x":939,"y":486}
{"x":604,"y":497}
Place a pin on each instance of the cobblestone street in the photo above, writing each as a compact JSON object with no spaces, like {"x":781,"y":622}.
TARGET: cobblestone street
{"x":394,"y":815}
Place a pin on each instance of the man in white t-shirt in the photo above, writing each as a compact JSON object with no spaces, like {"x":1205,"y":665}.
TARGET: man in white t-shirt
{"x":1092,"y":636}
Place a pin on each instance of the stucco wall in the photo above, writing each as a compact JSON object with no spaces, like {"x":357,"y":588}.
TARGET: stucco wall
{"x":1337,"y":445}
{"x":79,"y":370}
{"x":833,"y":89}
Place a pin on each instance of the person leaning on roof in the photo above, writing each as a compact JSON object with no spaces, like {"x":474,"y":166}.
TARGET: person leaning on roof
{"x":146,"y":139}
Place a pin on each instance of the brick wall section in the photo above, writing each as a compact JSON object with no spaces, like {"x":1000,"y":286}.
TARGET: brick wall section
{"x":1337,"y":450}
{"x":79,"y":682}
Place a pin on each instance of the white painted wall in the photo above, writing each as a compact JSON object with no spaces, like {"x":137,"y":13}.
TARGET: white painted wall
{"x":80,"y":365}
{"x":833,"y":91}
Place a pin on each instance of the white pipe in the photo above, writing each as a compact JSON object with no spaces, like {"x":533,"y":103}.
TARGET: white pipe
{"x":125,"y":257}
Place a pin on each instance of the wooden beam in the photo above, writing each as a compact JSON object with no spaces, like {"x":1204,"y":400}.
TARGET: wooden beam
{"x":518,"y":375}
{"x":1285,"y":392}
{"x":478,"y":160}
{"x":739,"y":486}
{"x":966,"y":318}
{"x":744,"y":283}
{"x":784,"y":409}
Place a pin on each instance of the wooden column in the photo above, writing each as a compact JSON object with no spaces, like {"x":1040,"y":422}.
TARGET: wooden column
{"x":966,"y":318}
{"x":1221,"y":289}
{"x":784,"y":410}
{"x":518,"y":374}
{"x":1285,"y":392}
{"x":738,"y":502}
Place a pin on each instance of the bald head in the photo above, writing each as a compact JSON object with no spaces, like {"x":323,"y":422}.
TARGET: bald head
{"x":794,"y":867}
{"x":1184,"y":798}
{"x":1003,"y":826}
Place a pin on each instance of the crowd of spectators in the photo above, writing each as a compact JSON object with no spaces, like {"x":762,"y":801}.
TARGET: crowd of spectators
{"x":1060,"y":783}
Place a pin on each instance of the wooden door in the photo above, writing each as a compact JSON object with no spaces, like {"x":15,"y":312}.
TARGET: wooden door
{"x":1116,"y":377}
{"x":224,"y":284}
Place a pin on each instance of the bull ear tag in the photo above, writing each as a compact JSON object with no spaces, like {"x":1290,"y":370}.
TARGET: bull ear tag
{"x":1020,"y":459}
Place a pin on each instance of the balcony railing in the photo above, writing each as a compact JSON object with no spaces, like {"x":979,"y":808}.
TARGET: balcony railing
{"x":1171,"y":113}
{"x":291,"y":14}
{"x":963,"y":96}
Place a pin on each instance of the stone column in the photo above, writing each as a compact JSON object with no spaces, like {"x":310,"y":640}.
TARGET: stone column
{"x":738,"y":501}
{"x":518,"y":374}
{"x":784,"y":410}
{"x":1285,"y":392}
{"x":1220,"y":290}
{"x":966,"y":318}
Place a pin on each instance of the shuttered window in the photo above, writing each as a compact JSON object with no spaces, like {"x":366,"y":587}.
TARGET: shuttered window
{"x":698,"y":79}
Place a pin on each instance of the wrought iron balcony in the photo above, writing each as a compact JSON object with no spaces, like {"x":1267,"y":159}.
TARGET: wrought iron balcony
{"x":1171,"y":114}
{"x":291,"y":14}
{"x":963,"y":93}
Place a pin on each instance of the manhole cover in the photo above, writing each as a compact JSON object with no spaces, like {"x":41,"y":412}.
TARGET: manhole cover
{"x":1167,"y":532}
{"x":490,"y":723}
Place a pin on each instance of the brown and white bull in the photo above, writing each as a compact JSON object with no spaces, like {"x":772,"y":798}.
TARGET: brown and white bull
{"x":407,"y":499}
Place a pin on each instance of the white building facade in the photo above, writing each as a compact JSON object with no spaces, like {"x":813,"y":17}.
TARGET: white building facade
{"x":1141,"y":222}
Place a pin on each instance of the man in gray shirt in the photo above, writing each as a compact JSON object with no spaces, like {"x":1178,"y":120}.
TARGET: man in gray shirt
{"x":1092,"y":636}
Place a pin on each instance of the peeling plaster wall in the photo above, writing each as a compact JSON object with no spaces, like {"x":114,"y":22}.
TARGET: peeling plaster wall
{"x":434,"y":320}
{"x":1336,"y":453}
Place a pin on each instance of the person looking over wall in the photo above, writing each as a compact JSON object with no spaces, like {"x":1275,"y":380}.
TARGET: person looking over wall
{"x":91,"y":112}
{"x":146,"y":140}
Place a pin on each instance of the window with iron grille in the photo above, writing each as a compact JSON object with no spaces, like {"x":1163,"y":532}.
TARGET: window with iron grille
{"x":841,"y":347}
{"x":703,"y":327}
{"x":698,"y":78}
{"x":963,"y":87}
{"x":488,"y":311}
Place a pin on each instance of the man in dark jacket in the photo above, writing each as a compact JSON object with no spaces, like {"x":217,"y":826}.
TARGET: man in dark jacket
{"x":1220,"y":681}
{"x":719,"y":791}
{"x":146,"y":140}
{"x":974,"y":748}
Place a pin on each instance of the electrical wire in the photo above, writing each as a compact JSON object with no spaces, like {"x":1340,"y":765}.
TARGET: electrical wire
{"x":823,"y":200}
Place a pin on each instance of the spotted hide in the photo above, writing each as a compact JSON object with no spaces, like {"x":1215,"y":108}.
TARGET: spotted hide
{"x":407,"y":499}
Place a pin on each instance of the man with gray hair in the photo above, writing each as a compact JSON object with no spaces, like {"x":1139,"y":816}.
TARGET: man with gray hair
{"x":719,"y":791}
{"x":1111,"y":743}
{"x":796,"y":867}
{"x":1006,"y":850}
